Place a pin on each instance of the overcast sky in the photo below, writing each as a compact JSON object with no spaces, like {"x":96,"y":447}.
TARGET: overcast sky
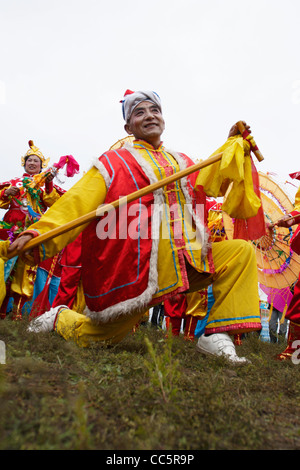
{"x":65,"y":65}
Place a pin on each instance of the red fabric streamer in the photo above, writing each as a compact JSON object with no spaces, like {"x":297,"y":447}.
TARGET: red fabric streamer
{"x":72,"y":167}
{"x":254,"y":227}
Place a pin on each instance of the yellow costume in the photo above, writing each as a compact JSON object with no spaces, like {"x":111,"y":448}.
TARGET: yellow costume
{"x":181,"y":263}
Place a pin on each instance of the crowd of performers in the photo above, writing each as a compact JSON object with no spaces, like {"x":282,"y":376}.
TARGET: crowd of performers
{"x":88,"y":287}
{"x":24,"y":204}
{"x":33,"y":289}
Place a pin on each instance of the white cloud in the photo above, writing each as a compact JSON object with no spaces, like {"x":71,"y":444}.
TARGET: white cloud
{"x":67,"y":63}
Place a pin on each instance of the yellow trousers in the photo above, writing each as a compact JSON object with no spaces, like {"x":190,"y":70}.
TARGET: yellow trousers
{"x":235,"y":310}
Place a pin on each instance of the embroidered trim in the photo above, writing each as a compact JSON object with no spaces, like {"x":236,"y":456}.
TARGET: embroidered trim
{"x":140,"y":302}
{"x":204,"y":236}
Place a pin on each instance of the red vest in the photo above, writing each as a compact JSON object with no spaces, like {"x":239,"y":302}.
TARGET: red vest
{"x":119,"y":268}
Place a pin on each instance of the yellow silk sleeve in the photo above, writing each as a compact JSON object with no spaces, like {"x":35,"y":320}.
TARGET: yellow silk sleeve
{"x":232,"y":176}
{"x":84,"y":197}
{"x":241,"y":202}
{"x":216,"y":178}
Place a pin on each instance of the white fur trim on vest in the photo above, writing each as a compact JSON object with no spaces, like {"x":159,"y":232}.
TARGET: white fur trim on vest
{"x":99,"y":165}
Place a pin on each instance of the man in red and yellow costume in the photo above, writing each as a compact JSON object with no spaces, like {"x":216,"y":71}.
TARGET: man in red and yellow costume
{"x":25,"y":200}
{"x":148,"y":250}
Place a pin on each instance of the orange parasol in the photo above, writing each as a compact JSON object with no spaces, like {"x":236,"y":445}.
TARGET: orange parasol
{"x":278,"y":266}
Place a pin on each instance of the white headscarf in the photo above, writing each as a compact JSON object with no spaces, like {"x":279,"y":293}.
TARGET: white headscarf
{"x":133,"y":98}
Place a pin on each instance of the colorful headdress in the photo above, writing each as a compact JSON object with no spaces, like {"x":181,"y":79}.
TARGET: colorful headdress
{"x":133,"y":98}
{"x":33,"y":150}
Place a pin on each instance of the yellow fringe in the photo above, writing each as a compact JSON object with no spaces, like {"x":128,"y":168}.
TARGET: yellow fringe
{"x":271,"y":310}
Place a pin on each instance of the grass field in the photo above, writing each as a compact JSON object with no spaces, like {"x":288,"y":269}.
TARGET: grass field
{"x":148,"y":392}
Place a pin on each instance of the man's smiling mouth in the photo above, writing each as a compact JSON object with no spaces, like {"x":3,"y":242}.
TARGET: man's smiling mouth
{"x":150,"y":125}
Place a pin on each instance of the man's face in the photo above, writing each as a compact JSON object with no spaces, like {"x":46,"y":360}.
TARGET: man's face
{"x":33,"y":165}
{"x":146,"y":123}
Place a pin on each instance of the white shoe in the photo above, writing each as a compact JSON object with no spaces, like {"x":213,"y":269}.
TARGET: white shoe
{"x":45,"y":322}
{"x":220,"y":344}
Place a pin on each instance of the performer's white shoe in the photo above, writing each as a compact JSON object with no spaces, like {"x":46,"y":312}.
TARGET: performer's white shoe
{"x":220,"y":344}
{"x":45,"y":322}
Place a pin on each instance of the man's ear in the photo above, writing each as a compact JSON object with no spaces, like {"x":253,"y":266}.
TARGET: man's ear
{"x":127,"y":129}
